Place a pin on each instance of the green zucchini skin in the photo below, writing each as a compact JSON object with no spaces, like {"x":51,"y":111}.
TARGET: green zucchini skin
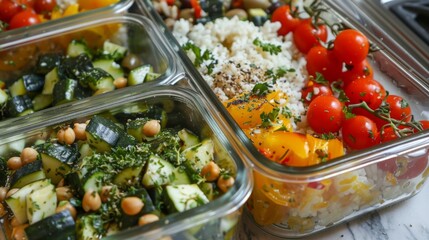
{"x":3,"y":172}
{"x":59,"y":226}
{"x":26,"y":174}
{"x":47,"y":62}
{"x":33,"y":82}
{"x":18,"y":105}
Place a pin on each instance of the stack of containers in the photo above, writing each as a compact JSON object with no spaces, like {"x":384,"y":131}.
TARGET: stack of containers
{"x":285,"y":202}
{"x":34,"y":122}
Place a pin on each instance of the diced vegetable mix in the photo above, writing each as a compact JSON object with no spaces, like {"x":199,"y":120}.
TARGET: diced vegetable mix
{"x":345,"y":108}
{"x":109,"y":173}
{"x":22,"y":13}
{"x":80,"y":72}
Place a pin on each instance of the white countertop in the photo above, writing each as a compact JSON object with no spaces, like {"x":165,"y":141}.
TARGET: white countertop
{"x":407,"y":220}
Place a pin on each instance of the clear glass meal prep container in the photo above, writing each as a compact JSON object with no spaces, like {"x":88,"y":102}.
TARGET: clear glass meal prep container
{"x":286,"y":201}
{"x":134,"y":31}
{"x":219,"y":218}
{"x":120,"y":7}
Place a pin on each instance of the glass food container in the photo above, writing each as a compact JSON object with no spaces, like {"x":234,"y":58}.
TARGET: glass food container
{"x":63,"y":62}
{"x":181,"y":108}
{"x":292,"y":202}
{"x":62,"y":11}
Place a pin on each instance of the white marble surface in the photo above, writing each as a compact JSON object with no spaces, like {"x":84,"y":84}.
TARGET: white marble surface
{"x":407,"y":220}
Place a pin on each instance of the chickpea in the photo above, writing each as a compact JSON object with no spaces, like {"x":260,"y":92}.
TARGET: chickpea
{"x":69,"y":136}
{"x":14,"y":163}
{"x":225,"y":182}
{"x":60,"y":136}
{"x":3,"y":193}
{"x":151,"y":128}
{"x":91,"y":201}
{"x":105,"y":193}
{"x":63,"y":193}
{"x":210,"y":171}
{"x":132,"y":205}
{"x":11,"y":192}
{"x":66,"y":205}
{"x":28,"y":155}
{"x":79,"y":131}
{"x":120,"y":82}
{"x":148,"y":218}
{"x":18,"y":232}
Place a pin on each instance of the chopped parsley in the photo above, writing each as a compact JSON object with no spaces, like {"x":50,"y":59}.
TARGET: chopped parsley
{"x":267,"y":47}
{"x":200,"y":56}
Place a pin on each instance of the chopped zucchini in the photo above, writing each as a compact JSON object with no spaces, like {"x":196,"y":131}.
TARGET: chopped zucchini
{"x":134,"y":128}
{"x":128,"y":176}
{"x":19,"y":106}
{"x":93,"y":181}
{"x":98,"y":79}
{"x":27,"y":174}
{"x":110,"y":66}
{"x":33,"y":82}
{"x":89,"y":226}
{"x":78,"y":47}
{"x":200,"y":155}
{"x":64,"y":91}
{"x":180,"y":176}
{"x":138,"y":74}
{"x":17,"y":88}
{"x":127,"y":221}
{"x":18,"y":202}
{"x":42,"y":101}
{"x":102,"y":134}
{"x":47,"y":62}
{"x":184,"y":197}
{"x":4,"y":97}
{"x":116,"y":51}
{"x":57,"y":160}
{"x":50,"y":80}
{"x":189,"y":138}
{"x":158,"y":172}
{"x":56,"y":227}
{"x":3,"y":171}
{"x":41,"y":203}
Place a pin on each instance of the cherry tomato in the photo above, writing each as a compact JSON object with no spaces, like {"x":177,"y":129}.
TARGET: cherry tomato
{"x":314,"y":90}
{"x":27,"y":3}
{"x":351,"y":46}
{"x":359,"y":132}
{"x":288,"y":21}
{"x":24,"y":18}
{"x":306,"y":36}
{"x":405,"y":168}
{"x":399,"y":108}
{"x":325,"y":114}
{"x":8,"y":9}
{"x":387,"y":134}
{"x":320,"y":60}
{"x":359,"y":70}
{"x":365,"y":90}
{"x":44,"y":6}
{"x":425,"y":124}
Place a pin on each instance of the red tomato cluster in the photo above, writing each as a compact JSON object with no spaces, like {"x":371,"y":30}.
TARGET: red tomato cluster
{"x":345,"y":67}
{"x":22,"y":13}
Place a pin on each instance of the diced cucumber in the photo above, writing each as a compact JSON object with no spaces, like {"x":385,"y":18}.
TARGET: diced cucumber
{"x":3,"y":97}
{"x":134,"y":128}
{"x":47,"y":62}
{"x":116,"y":51}
{"x":64,"y":91}
{"x":77,"y":47}
{"x":85,"y":150}
{"x":110,"y":66}
{"x":41,"y":203}
{"x":98,"y":79}
{"x":50,"y":80}
{"x":189,"y":138}
{"x":180,"y":176}
{"x":138,"y":75}
{"x":208,"y":189}
{"x":27,"y":174}
{"x":152,"y":76}
{"x":199,"y":155}
{"x":88,"y":227}
{"x":128,"y":176}
{"x":56,"y":227}
{"x":19,"y":106}
{"x":42,"y":101}
{"x":18,"y":203}
{"x":158,"y":172}
{"x":184,"y":197}
{"x":57,"y":160}
{"x":102,"y":134}
{"x":17,"y":88}
{"x":94,"y":181}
